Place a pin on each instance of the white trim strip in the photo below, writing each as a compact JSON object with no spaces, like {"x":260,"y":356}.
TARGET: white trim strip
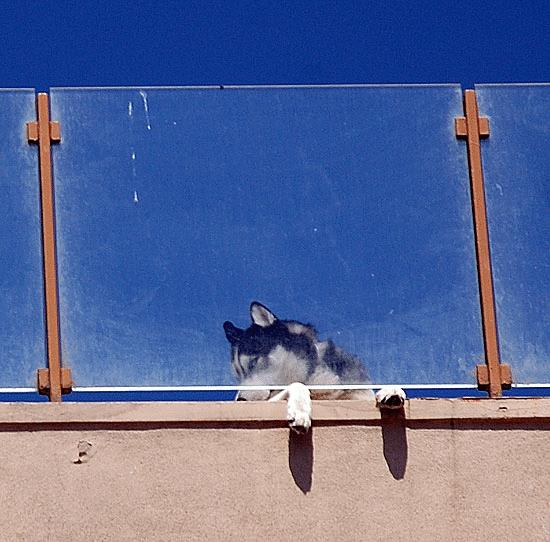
{"x":275,"y":387}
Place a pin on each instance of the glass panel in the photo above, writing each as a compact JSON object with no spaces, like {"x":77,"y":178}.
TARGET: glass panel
{"x":22,"y":332}
{"x":516,"y":160}
{"x":344,"y":207}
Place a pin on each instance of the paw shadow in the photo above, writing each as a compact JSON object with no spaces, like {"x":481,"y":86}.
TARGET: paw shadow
{"x":300,"y":459}
{"x":394,"y":436}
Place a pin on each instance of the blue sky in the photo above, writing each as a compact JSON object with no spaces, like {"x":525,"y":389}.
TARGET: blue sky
{"x":210,"y":42}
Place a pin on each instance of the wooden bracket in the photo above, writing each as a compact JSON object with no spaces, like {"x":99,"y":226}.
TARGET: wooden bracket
{"x":33,"y":135}
{"x":44,"y":384}
{"x":505,"y":376}
{"x":461,"y":127}
{"x":53,"y":381}
{"x":492,"y":377}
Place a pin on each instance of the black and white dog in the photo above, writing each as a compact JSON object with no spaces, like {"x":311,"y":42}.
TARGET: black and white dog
{"x":273,"y":352}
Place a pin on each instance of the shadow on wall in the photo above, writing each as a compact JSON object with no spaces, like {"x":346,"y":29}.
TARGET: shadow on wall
{"x":394,"y":436}
{"x":395,"y":449}
{"x":300,"y":459}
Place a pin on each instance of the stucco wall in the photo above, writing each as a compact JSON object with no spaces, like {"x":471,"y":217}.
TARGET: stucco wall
{"x":443,"y":470}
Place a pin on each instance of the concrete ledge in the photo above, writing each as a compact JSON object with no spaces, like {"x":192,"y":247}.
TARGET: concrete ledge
{"x":174,"y":413}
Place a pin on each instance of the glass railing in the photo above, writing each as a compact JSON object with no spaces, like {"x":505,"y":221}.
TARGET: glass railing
{"x":22,"y":335}
{"x":517,"y":186}
{"x":344,"y":207}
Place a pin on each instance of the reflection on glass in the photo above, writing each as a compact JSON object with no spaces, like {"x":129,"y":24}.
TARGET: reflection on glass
{"x":22,"y":335}
{"x":347,"y":208}
{"x":517,"y":187}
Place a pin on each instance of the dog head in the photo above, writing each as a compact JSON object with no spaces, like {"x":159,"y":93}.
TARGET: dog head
{"x":271,"y":351}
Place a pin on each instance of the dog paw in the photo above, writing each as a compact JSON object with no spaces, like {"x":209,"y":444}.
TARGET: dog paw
{"x":299,"y":422}
{"x":391,"y":397}
{"x":298,"y":413}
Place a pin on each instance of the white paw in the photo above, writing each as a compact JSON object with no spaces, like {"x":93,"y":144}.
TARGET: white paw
{"x":390,"y":397}
{"x":298,"y":411}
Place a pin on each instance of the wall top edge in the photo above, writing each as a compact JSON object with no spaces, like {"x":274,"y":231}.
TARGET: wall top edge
{"x":185,"y":413}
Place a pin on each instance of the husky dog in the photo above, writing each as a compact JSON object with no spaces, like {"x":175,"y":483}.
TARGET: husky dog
{"x":273,"y":352}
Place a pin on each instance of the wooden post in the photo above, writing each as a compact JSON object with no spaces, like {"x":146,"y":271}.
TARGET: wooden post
{"x":53,"y":381}
{"x":492,"y":377}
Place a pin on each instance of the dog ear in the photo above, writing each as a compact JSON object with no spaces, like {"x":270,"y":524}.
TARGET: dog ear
{"x":261,"y":315}
{"x":233,"y":334}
